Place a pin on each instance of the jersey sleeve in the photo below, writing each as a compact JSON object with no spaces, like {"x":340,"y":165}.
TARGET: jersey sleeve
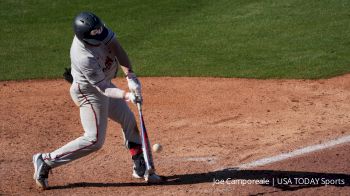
{"x":92,"y":70}
{"x":111,"y":35}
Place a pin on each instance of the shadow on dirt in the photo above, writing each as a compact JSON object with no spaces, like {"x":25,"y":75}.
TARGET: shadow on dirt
{"x":283,"y":180}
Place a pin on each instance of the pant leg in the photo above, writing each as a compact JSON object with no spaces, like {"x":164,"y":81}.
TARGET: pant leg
{"x":94,"y":115}
{"x":121,"y":113}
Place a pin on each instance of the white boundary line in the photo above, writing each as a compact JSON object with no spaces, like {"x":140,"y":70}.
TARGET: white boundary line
{"x":298,"y":152}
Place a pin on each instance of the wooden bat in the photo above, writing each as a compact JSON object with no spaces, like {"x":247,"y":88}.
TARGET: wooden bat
{"x":146,"y":147}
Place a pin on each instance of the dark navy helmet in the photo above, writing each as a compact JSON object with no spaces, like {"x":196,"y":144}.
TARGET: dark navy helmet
{"x":89,"y":28}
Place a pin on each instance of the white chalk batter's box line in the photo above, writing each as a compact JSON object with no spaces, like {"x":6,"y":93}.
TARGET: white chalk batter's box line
{"x":295,"y":153}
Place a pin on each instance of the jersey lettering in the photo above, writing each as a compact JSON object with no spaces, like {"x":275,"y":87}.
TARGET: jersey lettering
{"x":108,"y":64}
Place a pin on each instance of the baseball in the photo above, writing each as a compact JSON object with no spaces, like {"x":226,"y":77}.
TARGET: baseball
{"x":157,"y":148}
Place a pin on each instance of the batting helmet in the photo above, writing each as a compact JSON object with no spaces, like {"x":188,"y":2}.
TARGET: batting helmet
{"x":89,"y":28}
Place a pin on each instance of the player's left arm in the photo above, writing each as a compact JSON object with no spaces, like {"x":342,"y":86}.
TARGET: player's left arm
{"x":121,"y":55}
{"x":124,"y":61}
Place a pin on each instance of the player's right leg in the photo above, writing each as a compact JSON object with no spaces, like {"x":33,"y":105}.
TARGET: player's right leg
{"x":94,"y":115}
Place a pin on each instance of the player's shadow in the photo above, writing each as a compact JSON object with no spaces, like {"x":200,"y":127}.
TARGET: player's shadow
{"x":283,"y":180}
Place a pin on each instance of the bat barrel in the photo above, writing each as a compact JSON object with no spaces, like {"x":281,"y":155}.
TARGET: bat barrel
{"x":145,"y":143}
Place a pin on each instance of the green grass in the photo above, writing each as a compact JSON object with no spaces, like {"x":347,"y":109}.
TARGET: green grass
{"x":222,"y":38}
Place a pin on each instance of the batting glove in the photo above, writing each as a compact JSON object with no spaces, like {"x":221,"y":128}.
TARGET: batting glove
{"x":134,"y":84}
{"x":130,"y":96}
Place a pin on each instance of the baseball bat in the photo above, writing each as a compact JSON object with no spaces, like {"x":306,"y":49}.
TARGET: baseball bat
{"x":146,"y":147}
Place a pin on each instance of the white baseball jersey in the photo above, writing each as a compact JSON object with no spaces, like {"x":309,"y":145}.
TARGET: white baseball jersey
{"x":93,"y":64}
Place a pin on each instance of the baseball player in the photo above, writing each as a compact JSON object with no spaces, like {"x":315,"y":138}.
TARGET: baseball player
{"x":95,"y":56}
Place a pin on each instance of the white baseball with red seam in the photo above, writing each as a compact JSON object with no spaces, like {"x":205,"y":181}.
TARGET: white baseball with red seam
{"x":157,"y":148}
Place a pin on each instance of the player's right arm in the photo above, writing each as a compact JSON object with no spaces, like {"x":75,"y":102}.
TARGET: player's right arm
{"x":95,"y":76}
{"x":109,"y":90}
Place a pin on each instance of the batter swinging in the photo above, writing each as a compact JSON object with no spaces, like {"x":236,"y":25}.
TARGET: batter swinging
{"x":95,"y":57}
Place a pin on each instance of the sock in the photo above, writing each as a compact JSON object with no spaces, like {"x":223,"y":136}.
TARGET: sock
{"x":135,"y":150}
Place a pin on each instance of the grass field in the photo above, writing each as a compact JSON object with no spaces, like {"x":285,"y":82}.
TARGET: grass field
{"x":223,"y":38}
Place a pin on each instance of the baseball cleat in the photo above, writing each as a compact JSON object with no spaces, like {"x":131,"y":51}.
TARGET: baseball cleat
{"x":41,"y":171}
{"x":139,"y":166}
{"x":154,"y":178}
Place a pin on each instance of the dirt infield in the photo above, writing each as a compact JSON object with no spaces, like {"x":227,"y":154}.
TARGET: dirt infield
{"x":207,"y":127}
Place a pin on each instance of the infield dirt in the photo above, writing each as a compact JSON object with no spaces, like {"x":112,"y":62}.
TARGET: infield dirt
{"x":203,"y":124}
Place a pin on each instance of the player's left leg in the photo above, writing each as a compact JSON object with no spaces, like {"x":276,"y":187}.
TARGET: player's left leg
{"x":121,"y":113}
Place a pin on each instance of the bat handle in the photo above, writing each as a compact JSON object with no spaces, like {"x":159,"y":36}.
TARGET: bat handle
{"x":139,"y":106}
